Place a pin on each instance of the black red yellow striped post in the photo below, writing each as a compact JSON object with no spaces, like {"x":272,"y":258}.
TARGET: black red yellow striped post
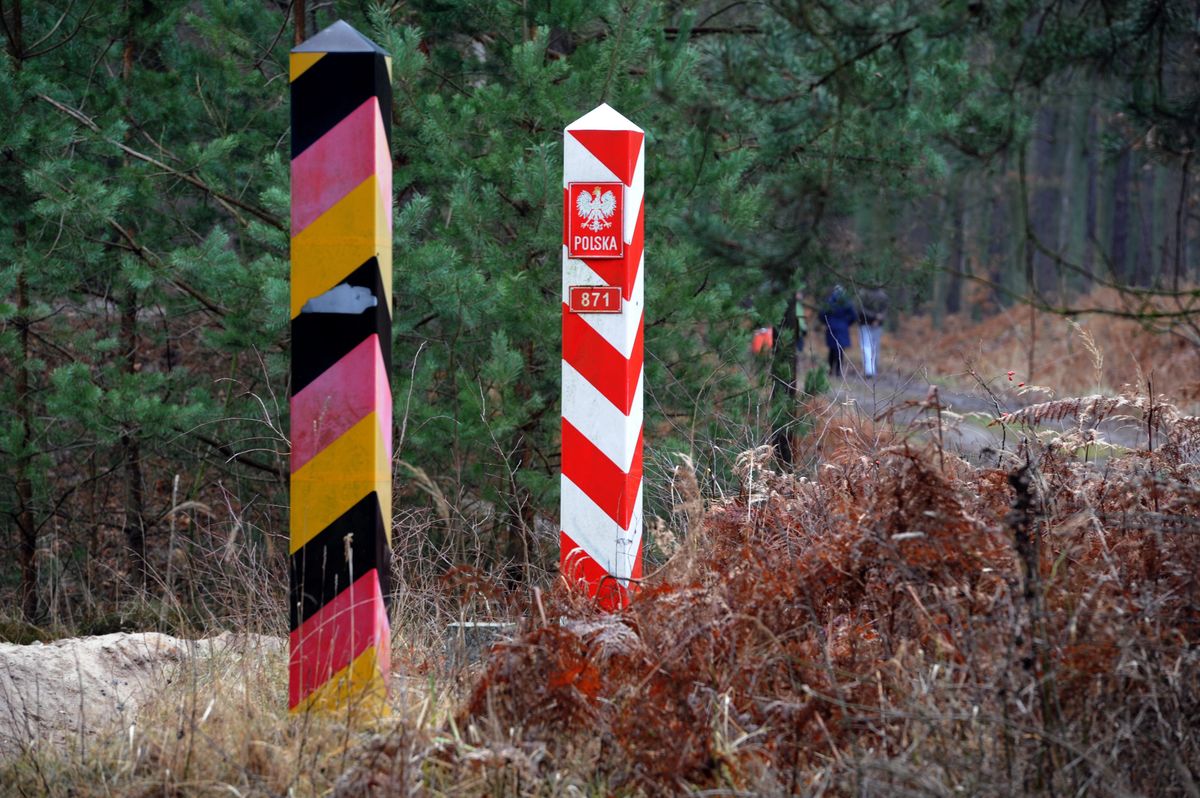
{"x":341,"y":401}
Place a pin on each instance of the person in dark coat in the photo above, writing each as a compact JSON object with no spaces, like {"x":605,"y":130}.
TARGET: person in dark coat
{"x":838,"y":314}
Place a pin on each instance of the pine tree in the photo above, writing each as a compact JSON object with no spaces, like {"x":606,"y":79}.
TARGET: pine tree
{"x":482,"y":95}
{"x":143,"y":252}
{"x":141,"y":261}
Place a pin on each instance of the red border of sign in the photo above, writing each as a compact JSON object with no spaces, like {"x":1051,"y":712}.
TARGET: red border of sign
{"x":609,"y":289}
{"x":620,"y":214}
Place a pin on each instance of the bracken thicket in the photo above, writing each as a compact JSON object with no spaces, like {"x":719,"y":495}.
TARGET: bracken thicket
{"x":902,"y":622}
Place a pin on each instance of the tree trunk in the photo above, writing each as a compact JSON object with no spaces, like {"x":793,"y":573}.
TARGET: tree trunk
{"x":1092,"y":164}
{"x":1163,"y":244}
{"x":521,"y":535}
{"x":131,"y":449}
{"x":1181,"y":227}
{"x":1065,"y":239}
{"x":785,"y":364}
{"x":958,"y":259}
{"x":26,"y":523}
{"x":1144,"y":181}
{"x":298,"y":15}
{"x":1120,"y":215}
{"x":998,"y":237}
{"x":1044,"y":205}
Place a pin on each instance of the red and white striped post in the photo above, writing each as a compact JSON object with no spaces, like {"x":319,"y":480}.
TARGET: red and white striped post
{"x":602,"y":319}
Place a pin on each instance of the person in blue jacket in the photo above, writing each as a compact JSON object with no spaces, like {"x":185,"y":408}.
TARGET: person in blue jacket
{"x":838,"y":314}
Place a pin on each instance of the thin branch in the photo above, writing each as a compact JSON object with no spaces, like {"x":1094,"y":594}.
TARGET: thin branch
{"x":1037,"y":301}
{"x":154,"y":260}
{"x":66,"y":39}
{"x":278,"y":34}
{"x":721,"y":11}
{"x":229,"y":202}
{"x":239,"y":457}
{"x":714,"y":30}
{"x":8,"y":34}
{"x":891,"y":38}
{"x":57,"y":25}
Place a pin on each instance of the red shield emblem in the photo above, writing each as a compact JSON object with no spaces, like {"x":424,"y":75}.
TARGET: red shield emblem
{"x":595,"y":220}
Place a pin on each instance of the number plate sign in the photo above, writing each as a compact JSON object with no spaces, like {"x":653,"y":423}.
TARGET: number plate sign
{"x":595,"y":299}
{"x":595,"y":220}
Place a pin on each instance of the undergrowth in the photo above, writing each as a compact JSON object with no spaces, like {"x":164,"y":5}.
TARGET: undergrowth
{"x":909,"y":625}
{"x":893,"y":621}
{"x":905,"y":624}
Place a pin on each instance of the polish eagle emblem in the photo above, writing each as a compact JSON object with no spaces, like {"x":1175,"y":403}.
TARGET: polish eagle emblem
{"x":596,"y":209}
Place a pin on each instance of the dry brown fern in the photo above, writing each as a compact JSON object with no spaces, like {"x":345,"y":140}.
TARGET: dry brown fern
{"x":879,"y":601}
{"x":1093,"y":409}
{"x":1155,"y":414}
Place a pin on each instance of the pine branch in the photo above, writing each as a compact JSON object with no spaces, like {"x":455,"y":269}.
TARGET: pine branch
{"x":672,"y":33}
{"x":230,"y":203}
{"x":153,"y":260}
{"x":67,"y":38}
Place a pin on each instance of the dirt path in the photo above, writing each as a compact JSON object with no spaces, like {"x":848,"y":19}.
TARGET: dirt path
{"x":968,"y":427}
{"x":906,"y":397}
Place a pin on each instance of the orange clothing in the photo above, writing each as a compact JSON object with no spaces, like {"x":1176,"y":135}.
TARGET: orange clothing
{"x":763,"y":340}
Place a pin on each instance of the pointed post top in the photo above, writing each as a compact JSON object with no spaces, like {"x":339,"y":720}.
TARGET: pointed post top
{"x":603,"y":117}
{"x":339,"y":37}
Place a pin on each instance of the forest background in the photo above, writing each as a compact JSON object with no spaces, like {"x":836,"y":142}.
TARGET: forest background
{"x":974,"y":158}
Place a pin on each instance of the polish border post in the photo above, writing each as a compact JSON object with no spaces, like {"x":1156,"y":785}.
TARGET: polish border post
{"x":602,"y":321}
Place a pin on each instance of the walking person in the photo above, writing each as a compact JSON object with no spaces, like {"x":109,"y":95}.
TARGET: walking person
{"x":872,"y":312}
{"x":838,"y":314}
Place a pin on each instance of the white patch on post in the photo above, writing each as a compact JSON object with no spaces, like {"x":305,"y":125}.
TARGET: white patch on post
{"x":346,"y":299}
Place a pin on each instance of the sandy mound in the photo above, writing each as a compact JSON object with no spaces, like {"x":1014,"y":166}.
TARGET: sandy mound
{"x":72,"y":689}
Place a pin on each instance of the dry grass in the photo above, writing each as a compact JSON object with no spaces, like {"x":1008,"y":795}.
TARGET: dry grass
{"x":220,"y":726}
